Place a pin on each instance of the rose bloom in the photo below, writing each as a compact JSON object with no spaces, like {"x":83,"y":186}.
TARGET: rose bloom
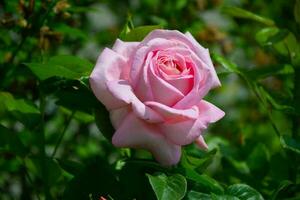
{"x":154,"y":92}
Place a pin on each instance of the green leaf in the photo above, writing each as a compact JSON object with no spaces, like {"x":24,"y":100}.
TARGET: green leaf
{"x":71,"y":32}
{"x":11,"y":143}
{"x":244,"y":192}
{"x":23,"y":110}
{"x":194,"y":195}
{"x":258,"y":160}
{"x":139,"y":33}
{"x":46,"y":169}
{"x":168,"y":187}
{"x":265,"y":34}
{"x":241,"y":13}
{"x":127,"y":28}
{"x":290,"y":143}
{"x":204,"y":182}
{"x":66,"y":66}
{"x":197,"y":162}
{"x":96,"y":179}
{"x":297,"y":11}
{"x":231,"y":67}
{"x":278,"y":106}
{"x":70,"y":166}
{"x":103,"y":122}
{"x":282,"y":186}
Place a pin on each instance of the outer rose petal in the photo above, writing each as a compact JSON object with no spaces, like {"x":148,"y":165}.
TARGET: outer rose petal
{"x":117,"y":116}
{"x":186,"y":132}
{"x":201,"y":143}
{"x":204,"y":55}
{"x":126,"y":49}
{"x":122,"y":91}
{"x":135,"y":133}
{"x":109,"y":67}
{"x":173,"y":115}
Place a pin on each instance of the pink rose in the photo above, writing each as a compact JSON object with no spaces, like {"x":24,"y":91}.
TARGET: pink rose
{"x":154,"y":92}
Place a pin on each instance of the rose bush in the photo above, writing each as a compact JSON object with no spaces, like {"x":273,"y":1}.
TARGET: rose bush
{"x":154,"y":92}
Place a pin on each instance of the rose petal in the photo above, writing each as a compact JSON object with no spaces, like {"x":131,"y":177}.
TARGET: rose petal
{"x":172,"y":115}
{"x":183,"y":84}
{"x":162,"y":91}
{"x":190,"y":41}
{"x":109,"y":67}
{"x":135,"y":133}
{"x":126,"y":49}
{"x":118,"y":115}
{"x":186,"y":132}
{"x":122,"y":91}
{"x":204,"y":55}
{"x":141,"y":54}
{"x":201,"y":142}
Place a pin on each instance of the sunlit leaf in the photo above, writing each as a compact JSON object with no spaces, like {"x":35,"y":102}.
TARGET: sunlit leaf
{"x":138,"y":33}
{"x":230,"y":66}
{"x":243,"y":192}
{"x":66,"y":66}
{"x":168,"y":187}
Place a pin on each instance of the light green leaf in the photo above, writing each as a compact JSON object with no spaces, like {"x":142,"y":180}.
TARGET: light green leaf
{"x":241,"y":13}
{"x":194,"y":195}
{"x":205,"y":182}
{"x":23,"y":110}
{"x":139,"y":33}
{"x":168,"y":187}
{"x":265,"y":34}
{"x":231,"y":67}
{"x":244,"y":192}
{"x":66,"y":66}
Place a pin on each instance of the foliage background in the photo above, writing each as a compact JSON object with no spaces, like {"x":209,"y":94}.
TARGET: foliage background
{"x":51,"y":148}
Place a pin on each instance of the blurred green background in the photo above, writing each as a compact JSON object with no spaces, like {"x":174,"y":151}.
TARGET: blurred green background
{"x":51,"y":148}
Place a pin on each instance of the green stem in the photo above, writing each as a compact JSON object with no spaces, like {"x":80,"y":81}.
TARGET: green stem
{"x":43,"y":147}
{"x":63,"y":133}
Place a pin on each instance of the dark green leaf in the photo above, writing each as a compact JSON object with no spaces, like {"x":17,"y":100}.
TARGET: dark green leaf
{"x":243,"y":192}
{"x":71,"y":32}
{"x":297,"y":11}
{"x":241,"y":13}
{"x":290,"y":143}
{"x":47,"y":169}
{"x":258,"y":160}
{"x":168,"y":187}
{"x":103,"y":122}
{"x":11,"y":143}
{"x":96,"y":179}
{"x":70,"y":166}
{"x":282,"y":186}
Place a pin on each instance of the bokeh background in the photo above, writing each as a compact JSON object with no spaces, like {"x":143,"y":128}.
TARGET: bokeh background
{"x":51,"y":147}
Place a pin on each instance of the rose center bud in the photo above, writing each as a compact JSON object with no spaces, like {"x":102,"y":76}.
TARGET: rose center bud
{"x":170,"y":68}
